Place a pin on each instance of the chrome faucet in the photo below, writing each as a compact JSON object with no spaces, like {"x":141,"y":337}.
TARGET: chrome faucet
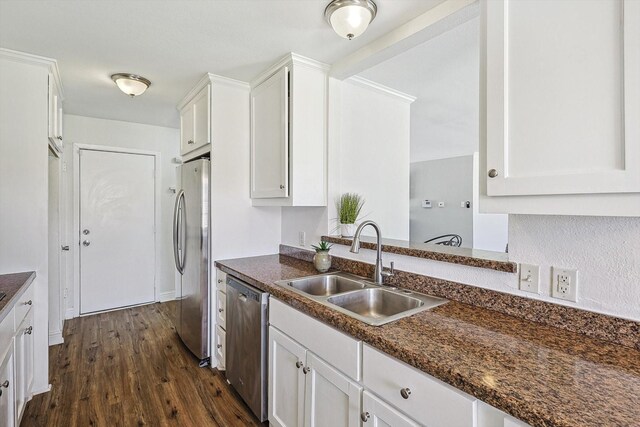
{"x":378,"y":274}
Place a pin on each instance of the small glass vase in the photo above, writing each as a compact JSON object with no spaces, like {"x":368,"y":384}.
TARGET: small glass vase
{"x":322,"y":261}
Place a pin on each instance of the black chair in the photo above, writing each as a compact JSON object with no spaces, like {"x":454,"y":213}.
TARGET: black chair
{"x":447,"y":240}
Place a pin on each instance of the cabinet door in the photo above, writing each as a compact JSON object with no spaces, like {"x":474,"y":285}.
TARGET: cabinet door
{"x":186,"y":129}
{"x":24,"y":362}
{"x":378,"y":413}
{"x":562,"y":99}
{"x":202,"y":118}
{"x":331,"y":399}
{"x":221,"y":309}
{"x":221,"y":347}
{"x":7,"y":390}
{"x":270,"y":137}
{"x":286,"y":380}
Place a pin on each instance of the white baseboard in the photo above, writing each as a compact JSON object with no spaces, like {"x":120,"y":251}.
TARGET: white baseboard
{"x":55,"y":338}
{"x":41,"y":390}
{"x":167,"y":296}
{"x":70,"y":313}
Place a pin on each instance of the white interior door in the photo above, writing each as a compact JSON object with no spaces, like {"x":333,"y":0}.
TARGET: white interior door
{"x":117,"y":230}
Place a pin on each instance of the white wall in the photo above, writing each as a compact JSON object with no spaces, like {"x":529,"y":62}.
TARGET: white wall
{"x":374,"y":156}
{"x":427,"y":180}
{"x":605,"y":251}
{"x":237,"y":228}
{"x":112,"y":133}
{"x":24,"y":192}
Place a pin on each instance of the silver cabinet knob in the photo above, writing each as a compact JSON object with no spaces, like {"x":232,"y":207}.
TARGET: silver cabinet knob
{"x":30,"y":302}
{"x":365,"y":417}
{"x":305,"y":370}
{"x":5,"y":384}
{"x":405,"y":393}
{"x":219,"y":280}
{"x":85,"y":231}
{"x":282,"y":187}
{"x":65,"y":247}
{"x":220,"y":310}
{"x":86,"y":243}
{"x":493,"y":173}
{"x":298,"y":364}
{"x":29,"y":330}
{"x":190,"y":141}
{"x":219,"y":345}
{"x":59,"y":137}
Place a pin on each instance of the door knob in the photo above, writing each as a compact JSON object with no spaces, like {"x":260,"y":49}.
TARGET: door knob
{"x":85,"y":231}
{"x":86,"y":243}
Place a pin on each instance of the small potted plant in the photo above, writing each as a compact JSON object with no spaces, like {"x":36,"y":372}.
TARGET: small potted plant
{"x":349,"y":206}
{"x":322,"y":259}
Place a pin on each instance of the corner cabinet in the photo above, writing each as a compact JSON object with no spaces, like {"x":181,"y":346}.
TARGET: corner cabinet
{"x":289,"y":134}
{"x":55,"y":115}
{"x":560,"y":131}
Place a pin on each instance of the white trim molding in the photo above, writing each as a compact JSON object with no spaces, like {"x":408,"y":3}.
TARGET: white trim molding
{"x":213,"y":79}
{"x":167,"y":296}
{"x":385,"y":90}
{"x":55,"y":338}
{"x":50,"y":63}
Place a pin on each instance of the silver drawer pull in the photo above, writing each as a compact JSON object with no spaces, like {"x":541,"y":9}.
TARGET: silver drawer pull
{"x":190,"y":141}
{"x":298,"y":364}
{"x":405,"y":393}
{"x":59,"y":137}
{"x":29,"y":330}
{"x":219,"y":280}
{"x":492,"y":173}
{"x":28,"y":302}
{"x":5,"y":384}
{"x":305,"y":370}
{"x":220,"y":310}
{"x":219,"y":346}
{"x":365,"y":417}
{"x":282,"y":187}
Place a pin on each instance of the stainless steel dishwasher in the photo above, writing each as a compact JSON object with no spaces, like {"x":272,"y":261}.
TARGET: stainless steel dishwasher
{"x":247,"y":345}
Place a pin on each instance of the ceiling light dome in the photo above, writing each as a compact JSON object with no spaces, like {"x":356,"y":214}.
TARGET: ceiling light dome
{"x":131,"y":84}
{"x":350,"y":18}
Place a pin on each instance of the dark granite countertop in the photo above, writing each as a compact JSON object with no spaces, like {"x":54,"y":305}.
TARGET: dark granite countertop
{"x":13,"y":285}
{"x":542,"y":375}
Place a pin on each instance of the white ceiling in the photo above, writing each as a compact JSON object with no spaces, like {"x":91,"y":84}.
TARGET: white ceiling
{"x":443,"y":73}
{"x":173,"y":43}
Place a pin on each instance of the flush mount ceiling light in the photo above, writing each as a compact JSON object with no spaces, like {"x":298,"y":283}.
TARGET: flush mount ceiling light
{"x":131,"y":84}
{"x":350,"y":18}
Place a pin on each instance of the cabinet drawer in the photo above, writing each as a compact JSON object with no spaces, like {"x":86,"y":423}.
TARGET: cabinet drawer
{"x":329,"y":344}
{"x":221,"y":309}
{"x":23,"y":305}
{"x":221,"y":347}
{"x":221,"y":281}
{"x":430,"y":401}
{"x":6,"y":332}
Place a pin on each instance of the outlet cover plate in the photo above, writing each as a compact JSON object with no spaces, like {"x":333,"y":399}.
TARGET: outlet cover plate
{"x":564,"y":284}
{"x":530,"y":278}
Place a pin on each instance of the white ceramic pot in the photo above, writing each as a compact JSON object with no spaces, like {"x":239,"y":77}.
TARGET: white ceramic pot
{"x":347,"y":230}
{"x":322,"y":261}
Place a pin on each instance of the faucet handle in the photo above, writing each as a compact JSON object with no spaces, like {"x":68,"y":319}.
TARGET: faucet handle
{"x":391,"y":271}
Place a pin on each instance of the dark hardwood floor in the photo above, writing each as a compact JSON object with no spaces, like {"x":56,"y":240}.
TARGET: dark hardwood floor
{"x":127,"y":368}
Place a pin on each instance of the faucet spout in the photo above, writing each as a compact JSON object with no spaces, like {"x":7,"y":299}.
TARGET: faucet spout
{"x":378,"y":275}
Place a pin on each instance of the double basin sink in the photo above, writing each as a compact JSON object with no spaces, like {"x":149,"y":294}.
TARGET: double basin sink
{"x":363,"y":300}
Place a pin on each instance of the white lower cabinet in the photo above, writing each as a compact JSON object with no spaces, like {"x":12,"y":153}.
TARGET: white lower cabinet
{"x":319,"y":376}
{"x":376,"y":412}
{"x":304,"y":390}
{"x":220,"y":330}
{"x":7,"y":390}
{"x":24,"y":362}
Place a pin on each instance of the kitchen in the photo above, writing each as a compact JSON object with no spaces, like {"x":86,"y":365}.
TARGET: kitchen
{"x":349,"y":212}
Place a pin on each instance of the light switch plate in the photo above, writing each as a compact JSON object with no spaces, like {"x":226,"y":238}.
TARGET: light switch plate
{"x":564,"y":284}
{"x":530,"y":278}
{"x":302,"y":238}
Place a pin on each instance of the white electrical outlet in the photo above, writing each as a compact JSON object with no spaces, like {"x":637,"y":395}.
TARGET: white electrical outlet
{"x":564,"y":284}
{"x":530,"y":278}
{"x":302,"y":238}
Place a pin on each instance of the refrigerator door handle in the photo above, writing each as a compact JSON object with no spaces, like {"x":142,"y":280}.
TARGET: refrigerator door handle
{"x":177,"y":238}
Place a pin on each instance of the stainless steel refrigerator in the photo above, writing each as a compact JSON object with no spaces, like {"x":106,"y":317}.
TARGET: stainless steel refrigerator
{"x":191,"y":253}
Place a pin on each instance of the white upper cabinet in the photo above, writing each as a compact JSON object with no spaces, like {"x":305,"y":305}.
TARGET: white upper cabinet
{"x":195,"y":122}
{"x":289,"y":134}
{"x":562,"y":100}
{"x":55,"y":115}
{"x":270,"y":137}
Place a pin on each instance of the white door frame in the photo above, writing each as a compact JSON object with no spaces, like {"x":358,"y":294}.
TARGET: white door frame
{"x":75,"y":242}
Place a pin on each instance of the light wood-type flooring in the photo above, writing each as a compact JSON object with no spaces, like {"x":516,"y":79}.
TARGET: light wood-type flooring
{"x":129,"y":368}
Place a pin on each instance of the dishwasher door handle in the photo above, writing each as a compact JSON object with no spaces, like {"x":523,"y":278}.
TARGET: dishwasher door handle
{"x":242,"y":297}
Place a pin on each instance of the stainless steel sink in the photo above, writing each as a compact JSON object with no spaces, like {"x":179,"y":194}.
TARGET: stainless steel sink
{"x":326,"y":285}
{"x":361,"y":299}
